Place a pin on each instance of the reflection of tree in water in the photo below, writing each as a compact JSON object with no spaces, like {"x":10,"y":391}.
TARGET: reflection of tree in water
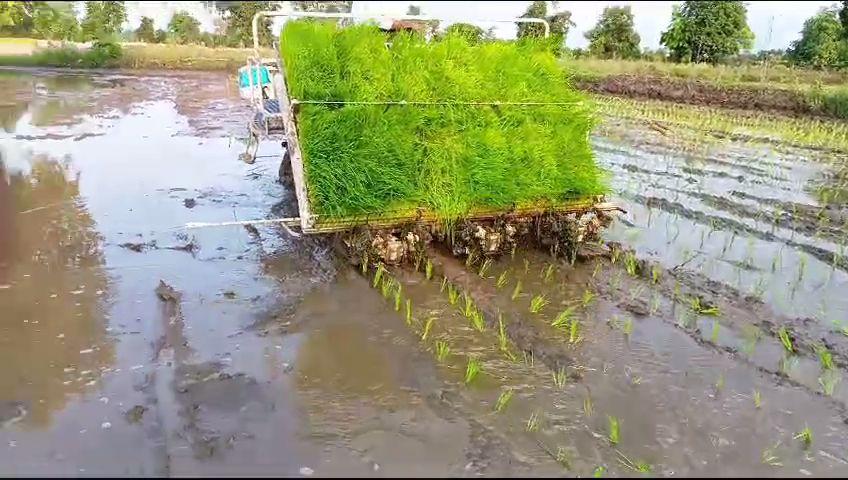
{"x":52,"y":332}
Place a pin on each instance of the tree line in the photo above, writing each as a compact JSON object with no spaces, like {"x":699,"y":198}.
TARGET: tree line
{"x":699,"y":31}
{"x":103,"y":21}
{"x":711,"y":32}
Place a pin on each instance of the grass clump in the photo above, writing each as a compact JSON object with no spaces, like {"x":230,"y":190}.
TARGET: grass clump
{"x":445,"y":156}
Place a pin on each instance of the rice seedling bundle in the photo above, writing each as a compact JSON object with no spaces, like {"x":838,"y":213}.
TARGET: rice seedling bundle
{"x":446,"y":155}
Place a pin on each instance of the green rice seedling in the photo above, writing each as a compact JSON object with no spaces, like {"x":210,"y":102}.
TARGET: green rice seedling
{"x":654,"y":307}
{"x":472,"y":369}
{"x":599,"y":472}
{"x":758,"y":399}
{"x":469,"y":308}
{"x":528,"y":358}
{"x":559,"y":377}
{"x":802,"y":265}
{"x":503,"y":339}
{"x":702,"y":309}
{"x":563,"y":458}
{"x":364,"y":264}
{"x":538,"y":303}
{"x":825,"y":357}
{"x":502,"y":280}
{"x":477,"y":320}
{"x":719,"y":385}
{"x":408,"y":311}
{"x":533,"y":422}
{"x":485,"y":268}
{"x":596,"y":269}
{"x":516,"y":291}
{"x":526,"y":265}
{"x":685,"y":319}
{"x":417,"y":262}
{"x":631,"y":264}
{"x":428,"y":325}
{"x":386,"y":287}
{"x":428,"y":269}
{"x":829,"y":380}
{"x":769,"y":456}
{"x":548,"y":273}
{"x":563,"y":318}
{"x":397,"y":299}
{"x":715,"y":332}
{"x":573,"y":334}
{"x":785,"y":340}
{"x":627,"y":327}
{"x":588,"y":406}
{"x":614,"y":255}
{"x":788,"y":364}
{"x":655,"y":274}
{"x":442,"y":350}
{"x":637,"y":466}
{"x":470,"y":259}
{"x":503,"y":400}
{"x":453,"y":294}
{"x":444,"y":284}
{"x":614,"y":432}
{"x":805,"y":436}
{"x":588,"y":297}
{"x":378,"y":275}
{"x":751,"y":335}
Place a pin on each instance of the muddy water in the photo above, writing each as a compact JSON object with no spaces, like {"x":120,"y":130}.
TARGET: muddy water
{"x":266,"y":361}
{"x":749,"y":215}
{"x":263,"y":354}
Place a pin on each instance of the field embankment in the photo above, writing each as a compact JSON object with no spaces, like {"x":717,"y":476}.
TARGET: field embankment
{"x":138,"y":56}
{"x":778,"y":90}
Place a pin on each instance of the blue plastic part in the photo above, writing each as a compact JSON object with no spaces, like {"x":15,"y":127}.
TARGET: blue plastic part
{"x":244,"y":80}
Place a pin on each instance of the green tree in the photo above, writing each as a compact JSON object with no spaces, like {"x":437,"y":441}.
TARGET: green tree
{"x":11,"y":13}
{"x":843,"y":19}
{"x":614,"y":35}
{"x":55,"y":21}
{"x":103,"y":19}
{"x":239,"y":30}
{"x":413,"y":10}
{"x":472,"y":33}
{"x":16,"y":17}
{"x":706,"y":31}
{"x":184,"y":28}
{"x":821,"y":42}
{"x":146,"y":32}
{"x":161,"y":36}
{"x":560,"y":23}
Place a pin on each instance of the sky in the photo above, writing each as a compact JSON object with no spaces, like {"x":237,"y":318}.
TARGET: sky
{"x":651,"y":17}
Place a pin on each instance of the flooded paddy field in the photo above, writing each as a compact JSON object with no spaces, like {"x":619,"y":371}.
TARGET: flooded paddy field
{"x":706,"y":335}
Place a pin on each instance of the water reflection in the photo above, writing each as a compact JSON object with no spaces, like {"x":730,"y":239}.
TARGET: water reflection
{"x":53,"y":339}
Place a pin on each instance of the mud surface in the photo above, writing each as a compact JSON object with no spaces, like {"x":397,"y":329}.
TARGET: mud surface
{"x":697,"y":92}
{"x":132,"y":346}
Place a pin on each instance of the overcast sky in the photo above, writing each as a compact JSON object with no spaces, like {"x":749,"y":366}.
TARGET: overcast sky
{"x":651,"y":18}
